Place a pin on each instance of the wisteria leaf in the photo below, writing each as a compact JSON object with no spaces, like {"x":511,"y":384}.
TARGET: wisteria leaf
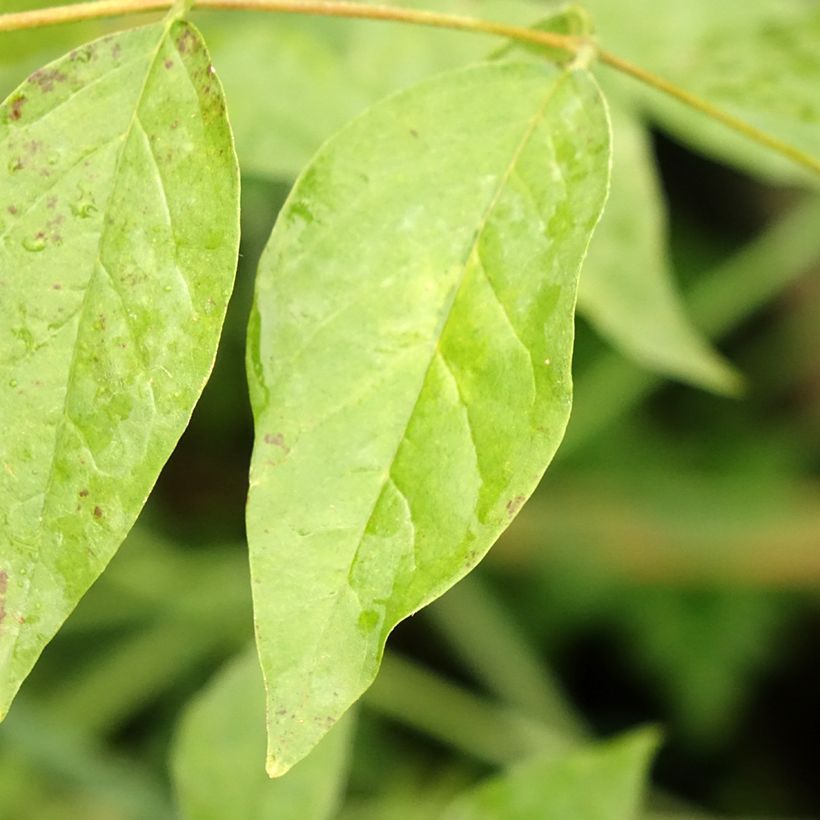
{"x":409,"y":362}
{"x":118,"y":246}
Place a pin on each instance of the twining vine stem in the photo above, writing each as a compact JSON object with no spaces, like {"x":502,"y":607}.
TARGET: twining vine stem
{"x":16,"y":21}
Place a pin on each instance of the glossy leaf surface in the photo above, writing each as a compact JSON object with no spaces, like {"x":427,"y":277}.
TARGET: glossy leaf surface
{"x":603,"y":782}
{"x":119,"y":234}
{"x":219,"y":754}
{"x":409,"y":360}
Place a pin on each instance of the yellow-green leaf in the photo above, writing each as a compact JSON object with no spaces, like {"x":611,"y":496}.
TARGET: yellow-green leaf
{"x":118,"y":243}
{"x":409,"y":362}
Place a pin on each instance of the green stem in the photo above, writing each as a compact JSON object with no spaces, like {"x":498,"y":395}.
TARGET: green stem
{"x":16,"y":21}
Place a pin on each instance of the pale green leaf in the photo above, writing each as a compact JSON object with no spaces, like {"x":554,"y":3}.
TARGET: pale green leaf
{"x":602,"y":782}
{"x":118,"y":243}
{"x":409,"y":362}
{"x":293,"y":81}
{"x":627,"y":287}
{"x":219,"y":755}
{"x":757,"y":60}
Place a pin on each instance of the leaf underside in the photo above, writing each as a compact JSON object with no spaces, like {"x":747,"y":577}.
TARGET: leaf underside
{"x":118,"y":243}
{"x":409,"y":362}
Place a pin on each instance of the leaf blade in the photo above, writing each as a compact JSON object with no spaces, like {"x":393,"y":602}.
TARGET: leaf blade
{"x":117,"y":262}
{"x":601,"y":782}
{"x":368,"y":346}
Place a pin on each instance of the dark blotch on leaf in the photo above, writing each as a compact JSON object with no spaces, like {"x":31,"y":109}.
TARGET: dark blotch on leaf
{"x":98,"y":512}
{"x":16,"y":107}
{"x":277,"y":440}
{"x":83,"y":493}
{"x":514,"y":505}
{"x":46,"y":78}
{"x":186,"y":42}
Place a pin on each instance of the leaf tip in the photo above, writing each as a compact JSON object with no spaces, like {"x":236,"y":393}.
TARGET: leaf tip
{"x":276,"y":767}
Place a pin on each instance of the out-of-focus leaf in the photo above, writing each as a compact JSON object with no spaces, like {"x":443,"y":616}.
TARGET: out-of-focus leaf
{"x":119,"y":234}
{"x":294,"y":81}
{"x":603,"y":782}
{"x":758,"y":60}
{"x":627,"y":289}
{"x":409,"y":361}
{"x":218,"y":758}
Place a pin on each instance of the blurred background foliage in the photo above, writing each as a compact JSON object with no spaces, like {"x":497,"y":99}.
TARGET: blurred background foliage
{"x":666,"y":571}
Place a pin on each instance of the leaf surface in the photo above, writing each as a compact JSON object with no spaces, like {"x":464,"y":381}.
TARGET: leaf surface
{"x":759,"y":61}
{"x":219,"y":753}
{"x":118,"y":245}
{"x":409,"y":361}
{"x":602,"y":782}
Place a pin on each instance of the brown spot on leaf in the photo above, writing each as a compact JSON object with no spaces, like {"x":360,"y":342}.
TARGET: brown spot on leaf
{"x":186,"y":42}
{"x":12,"y":209}
{"x":277,"y":440}
{"x":46,"y":78}
{"x":16,"y":107}
{"x":514,"y":505}
{"x":169,"y":63}
{"x":98,"y":512}
{"x":83,"y":493}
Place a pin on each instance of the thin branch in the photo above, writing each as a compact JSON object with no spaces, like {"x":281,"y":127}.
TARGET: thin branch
{"x":17,"y":21}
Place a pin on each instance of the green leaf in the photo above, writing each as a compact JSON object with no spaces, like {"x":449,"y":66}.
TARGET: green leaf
{"x":119,"y":231}
{"x":294,"y":81}
{"x":218,"y":757}
{"x":602,"y":782}
{"x":409,"y":363}
{"x":758,"y":61}
{"x":627,"y":288}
